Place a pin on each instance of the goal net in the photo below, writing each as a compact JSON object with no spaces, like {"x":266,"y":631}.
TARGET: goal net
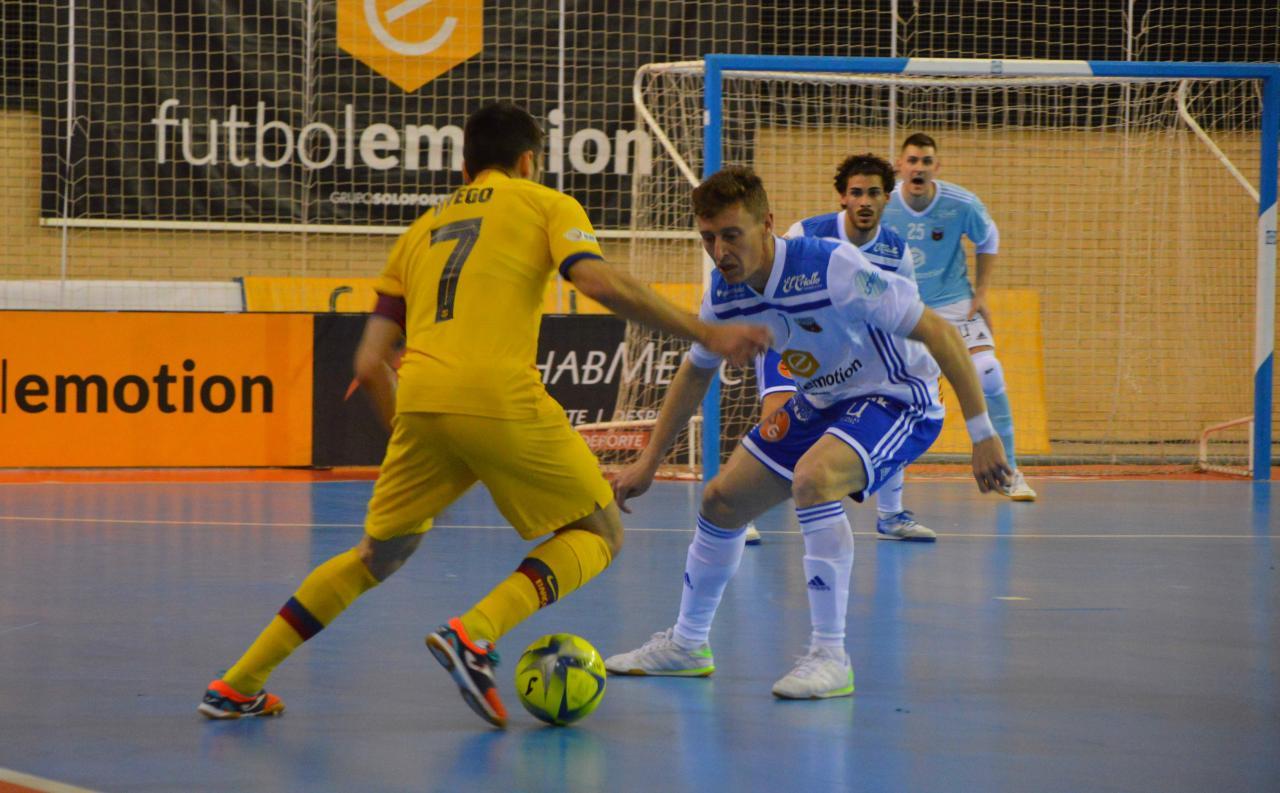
{"x":1128,"y":217}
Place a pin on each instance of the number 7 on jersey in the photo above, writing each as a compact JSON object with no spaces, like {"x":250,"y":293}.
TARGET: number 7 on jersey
{"x":465,"y":232}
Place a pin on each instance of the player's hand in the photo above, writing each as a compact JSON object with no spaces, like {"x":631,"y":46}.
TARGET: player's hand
{"x":990,"y":466}
{"x":740,"y":344}
{"x":978,"y":306}
{"x":632,"y":481}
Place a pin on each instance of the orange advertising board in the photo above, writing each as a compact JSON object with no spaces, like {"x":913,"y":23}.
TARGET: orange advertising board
{"x":105,"y":389}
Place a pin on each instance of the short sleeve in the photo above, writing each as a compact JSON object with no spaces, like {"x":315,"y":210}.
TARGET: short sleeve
{"x":698,"y":355}
{"x":980,"y":228}
{"x":886,"y":300}
{"x":570,"y":234}
{"x":796,"y":230}
{"x":391,"y":281}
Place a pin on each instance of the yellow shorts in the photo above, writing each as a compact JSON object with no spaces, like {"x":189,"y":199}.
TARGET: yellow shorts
{"x":540,"y":472}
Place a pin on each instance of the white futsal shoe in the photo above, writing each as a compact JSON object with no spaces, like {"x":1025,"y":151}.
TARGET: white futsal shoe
{"x":1018,"y":489}
{"x":903,"y":526}
{"x":753,"y":534}
{"x":662,"y":656}
{"x":821,"y":674}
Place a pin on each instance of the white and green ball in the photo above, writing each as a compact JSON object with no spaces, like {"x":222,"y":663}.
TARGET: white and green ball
{"x":560,"y":678}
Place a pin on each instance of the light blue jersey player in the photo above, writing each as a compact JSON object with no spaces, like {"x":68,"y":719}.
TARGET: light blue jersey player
{"x":863,"y":182}
{"x":932,"y":215}
{"x":866,"y":405}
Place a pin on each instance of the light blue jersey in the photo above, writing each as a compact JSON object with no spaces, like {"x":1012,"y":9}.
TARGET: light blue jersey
{"x":934,"y":239}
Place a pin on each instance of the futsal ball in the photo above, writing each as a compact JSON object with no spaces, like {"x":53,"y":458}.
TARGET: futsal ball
{"x":560,"y":678}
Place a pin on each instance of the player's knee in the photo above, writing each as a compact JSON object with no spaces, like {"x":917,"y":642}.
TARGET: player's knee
{"x":605,"y":523}
{"x":990,"y":373}
{"x":717,"y":506}
{"x":384,"y":557}
{"x":611,"y":530}
{"x":815,"y":483}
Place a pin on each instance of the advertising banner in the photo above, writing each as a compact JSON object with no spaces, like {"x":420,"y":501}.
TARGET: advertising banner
{"x":103,"y":389}
{"x":304,"y":114}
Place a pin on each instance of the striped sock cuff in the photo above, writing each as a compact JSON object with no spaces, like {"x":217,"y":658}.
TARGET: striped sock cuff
{"x":717,"y":531}
{"x":300,"y":619}
{"x":818,"y":515}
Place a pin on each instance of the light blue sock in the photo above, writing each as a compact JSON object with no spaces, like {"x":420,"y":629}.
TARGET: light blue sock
{"x":1002,"y":419}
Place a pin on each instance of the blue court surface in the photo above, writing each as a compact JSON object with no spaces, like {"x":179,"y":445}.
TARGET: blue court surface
{"x":1115,"y":636}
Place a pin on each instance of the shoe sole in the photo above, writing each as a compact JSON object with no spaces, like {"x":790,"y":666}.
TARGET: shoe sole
{"x":703,"y":672}
{"x":756,"y":541}
{"x":840,"y":692}
{"x":847,"y":691}
{"x":217,"y":714}
{"x":882,"y":536}
{"x":1023,"y":498}
{"x":452,"y":664}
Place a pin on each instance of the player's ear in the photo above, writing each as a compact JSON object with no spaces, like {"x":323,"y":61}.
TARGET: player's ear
{"x":527,"y":165}
{"x":466,"y":174}
{"x":768,"y":222}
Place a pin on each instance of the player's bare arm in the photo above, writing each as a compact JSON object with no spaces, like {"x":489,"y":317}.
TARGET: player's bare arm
{"x":630,"y":299}
{"x":373,"y":365}
{"x":981,"y":282}
{"x":990,"y":467}
{"x":683,"y":398}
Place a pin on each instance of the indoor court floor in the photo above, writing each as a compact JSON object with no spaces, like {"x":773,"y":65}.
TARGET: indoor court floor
{"x":1118,"y":635}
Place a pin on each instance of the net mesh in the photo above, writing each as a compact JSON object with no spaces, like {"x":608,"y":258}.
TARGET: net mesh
{"x":81,"y":81}
{"x":1126,"y":291}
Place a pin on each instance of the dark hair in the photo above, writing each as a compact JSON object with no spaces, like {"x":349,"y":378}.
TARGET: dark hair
{"x":864,"y":165}
{"x":919,"y":139}
{"x":496,"y":135}
{"x":736,"y":184}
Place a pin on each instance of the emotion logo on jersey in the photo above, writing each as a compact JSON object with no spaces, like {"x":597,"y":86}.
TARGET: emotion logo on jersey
{"x":870,"y":283}
{"x":937,"y":234}
{"x":775,"y":427}
{"x":810,"y":324}
{"x":800,"y":362}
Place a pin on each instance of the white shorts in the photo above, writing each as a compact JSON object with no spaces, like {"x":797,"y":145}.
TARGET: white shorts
{"x":974,"y":331}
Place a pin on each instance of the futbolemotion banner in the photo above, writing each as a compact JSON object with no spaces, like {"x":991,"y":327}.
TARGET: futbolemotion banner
{"x":336,"y":113}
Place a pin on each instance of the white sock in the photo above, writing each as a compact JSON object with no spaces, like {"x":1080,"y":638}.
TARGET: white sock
{"x":712,"y":560}
{"x":828,"y":566}
{"x":889,"y":497}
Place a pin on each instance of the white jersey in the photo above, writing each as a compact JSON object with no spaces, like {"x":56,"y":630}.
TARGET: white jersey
{"x":838,"y":321}
{"x":886,"y":249}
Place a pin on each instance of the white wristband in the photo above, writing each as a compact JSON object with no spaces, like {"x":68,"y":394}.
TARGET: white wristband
{"x":980,"y":427}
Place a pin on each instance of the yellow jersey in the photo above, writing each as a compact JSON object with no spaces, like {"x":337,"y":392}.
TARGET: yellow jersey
{"x":472,"y":272}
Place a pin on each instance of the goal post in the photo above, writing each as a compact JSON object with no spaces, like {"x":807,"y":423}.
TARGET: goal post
{"x":1112,"y":121}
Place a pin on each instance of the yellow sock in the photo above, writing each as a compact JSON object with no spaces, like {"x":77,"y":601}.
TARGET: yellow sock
{"x":555,"y":568}
{"x":323,"y":595}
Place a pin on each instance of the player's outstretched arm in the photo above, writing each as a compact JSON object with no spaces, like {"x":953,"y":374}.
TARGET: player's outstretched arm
{"x":373,"y":361}
{"x":630,"y":299}
{"x":682,"y":400}
{"x":990,"y":467}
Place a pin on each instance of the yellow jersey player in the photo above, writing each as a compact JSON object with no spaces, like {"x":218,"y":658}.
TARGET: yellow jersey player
{"x":463,"y":287}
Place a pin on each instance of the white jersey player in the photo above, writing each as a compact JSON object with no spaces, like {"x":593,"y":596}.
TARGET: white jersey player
{"x":932,"y":215}
{"x":863,"y":182}
{"x":866,"y":405}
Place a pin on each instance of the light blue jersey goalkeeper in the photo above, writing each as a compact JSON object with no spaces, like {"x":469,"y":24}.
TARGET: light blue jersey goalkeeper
{"x":934,"y":239}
